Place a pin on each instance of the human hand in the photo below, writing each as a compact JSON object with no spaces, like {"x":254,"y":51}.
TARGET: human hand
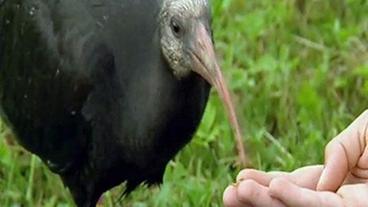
{"x":345,"y":172}
{"x":346,"y":157}
{"x":295,"y":189}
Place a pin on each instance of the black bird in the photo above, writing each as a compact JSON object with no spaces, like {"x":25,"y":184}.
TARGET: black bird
{"x":106,"y":91}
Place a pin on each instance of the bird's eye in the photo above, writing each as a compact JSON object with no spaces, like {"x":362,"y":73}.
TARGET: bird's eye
{"x":176,"y":27}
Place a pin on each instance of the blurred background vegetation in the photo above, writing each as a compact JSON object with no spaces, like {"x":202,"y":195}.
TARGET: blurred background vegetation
{"x":298,"y":70}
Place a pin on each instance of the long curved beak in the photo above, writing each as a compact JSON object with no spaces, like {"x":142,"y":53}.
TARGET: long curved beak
{"x":206,"y":65}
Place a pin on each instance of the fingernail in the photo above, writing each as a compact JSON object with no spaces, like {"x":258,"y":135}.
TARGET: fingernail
{"x":235,"y":184}
{"x":238,"y":182}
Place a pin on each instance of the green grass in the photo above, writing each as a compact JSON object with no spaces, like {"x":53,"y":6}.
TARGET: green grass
{"x":299,"y":75}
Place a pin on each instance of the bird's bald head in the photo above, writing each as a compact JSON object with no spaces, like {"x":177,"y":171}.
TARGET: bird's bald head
{"x":179,"y":21}
{"x":186,"y":7}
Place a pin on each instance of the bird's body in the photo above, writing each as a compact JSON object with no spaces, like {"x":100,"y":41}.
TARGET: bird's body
{"x":91,"y":86}
{"x":95,"y":100}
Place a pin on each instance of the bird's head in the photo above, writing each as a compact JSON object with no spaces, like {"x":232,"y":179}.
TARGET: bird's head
{"x":186,"y":38}
{"x":186,"y":43}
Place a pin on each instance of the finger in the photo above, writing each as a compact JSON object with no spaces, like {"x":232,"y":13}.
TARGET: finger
{"x":260,"y":177}
{"x":293,"y":196}
{"x":363,"y":160}
{"x":343,"y":153}
{"x":252,"y":193}
{"x":354,"y":195}
{"x":307,"y":177}
{"x":230,"y":198}
{"x":359,"y":174}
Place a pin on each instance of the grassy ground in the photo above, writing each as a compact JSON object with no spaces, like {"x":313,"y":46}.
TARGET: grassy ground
{"x":299,"y":73}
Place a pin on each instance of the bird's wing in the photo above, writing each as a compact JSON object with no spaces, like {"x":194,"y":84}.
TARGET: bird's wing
{"x":45,"y":77}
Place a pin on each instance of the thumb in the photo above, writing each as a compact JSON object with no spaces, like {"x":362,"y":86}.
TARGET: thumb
{"x":342,"y":154}
{"x":336,"y":167}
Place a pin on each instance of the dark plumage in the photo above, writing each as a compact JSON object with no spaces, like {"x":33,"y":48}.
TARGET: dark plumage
{"x":89,"y":87}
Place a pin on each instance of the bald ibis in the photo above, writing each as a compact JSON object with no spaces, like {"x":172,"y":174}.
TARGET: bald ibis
{"x":106,"y":91}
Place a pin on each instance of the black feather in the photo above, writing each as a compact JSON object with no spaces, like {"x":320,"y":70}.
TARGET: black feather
{"x":84,"y":86}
